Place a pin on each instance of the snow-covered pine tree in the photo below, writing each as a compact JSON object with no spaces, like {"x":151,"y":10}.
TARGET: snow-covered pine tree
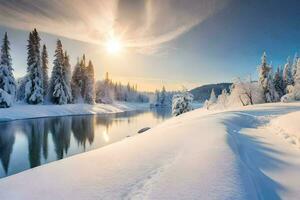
{"x":272,"y":96}
{"x":116,"y":92}
{"x":90,"y":84}
{"x":66,"y":72}
{"x":182,"y":103}
{"x":34,"y":93}
{"x":21,"y":83}
{"x":296,"y":89}
{"x":294,"y":67}
{"x":163,"y":96}
{"x":76,"y":83}
{"x":278,"y":82}
{"x":157,"y":97}
{"x":58,"y":87}
{"x":265,"y":81}
{"x":263,"y":75}
{"x":206,"y":104}
{"x":8,"y":86}
{"x":287,"y":74}
{"x":83,"y":75}
{"x":106,"y":94}
{"x":45,"y":70}
{"x":223,"y":99}
{"x":213,"y":98}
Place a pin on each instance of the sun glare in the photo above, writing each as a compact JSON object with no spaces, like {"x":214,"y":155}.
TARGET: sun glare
{"x":114,"y":45}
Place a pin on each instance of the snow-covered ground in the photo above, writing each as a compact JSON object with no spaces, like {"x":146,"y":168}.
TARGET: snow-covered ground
{"x":25,"y":111}
{"x":288,"y":127}
{"x":233,"y":154}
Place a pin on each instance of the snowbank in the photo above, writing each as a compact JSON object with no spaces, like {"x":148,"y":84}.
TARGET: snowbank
{"x":171,"y":161}
{"x":288,"y":127}
{"x":24,"y":111}
{"x":197,"y":155}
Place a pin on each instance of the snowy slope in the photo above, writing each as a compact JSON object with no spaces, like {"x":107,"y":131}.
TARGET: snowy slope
{"x":288,"y":127}
{"x":198,"y":155}
{"x":24,"y":111}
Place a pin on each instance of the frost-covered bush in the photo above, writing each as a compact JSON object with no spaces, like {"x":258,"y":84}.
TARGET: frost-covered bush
{"x":293,"y":94}
{"x":182,"y":103}
{"x":242,"y":93}
{"x":287,"y":98}
{"x":293,"y":91}
{"x":245,"y":93}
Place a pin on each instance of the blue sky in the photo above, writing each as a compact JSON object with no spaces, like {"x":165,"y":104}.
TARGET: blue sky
{"x":187,"y":43}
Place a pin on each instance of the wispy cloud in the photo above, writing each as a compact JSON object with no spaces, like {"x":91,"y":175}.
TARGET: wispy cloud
{"x":143,"y":25}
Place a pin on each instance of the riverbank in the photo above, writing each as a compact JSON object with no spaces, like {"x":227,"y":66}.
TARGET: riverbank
{"x":198,"y":155}
{"x":25,"y":111}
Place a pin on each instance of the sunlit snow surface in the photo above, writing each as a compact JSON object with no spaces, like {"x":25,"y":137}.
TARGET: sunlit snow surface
{"x":202,"y":154}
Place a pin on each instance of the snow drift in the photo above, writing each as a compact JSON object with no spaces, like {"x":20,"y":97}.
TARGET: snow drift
{"x":288,"y":127}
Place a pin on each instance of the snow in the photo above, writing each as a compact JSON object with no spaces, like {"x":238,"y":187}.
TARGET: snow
{"x":288,"y":127}
{"x":25,"y":111}
{"x":202,"y":154}
{"x":6,"y":100}
{"x":182,"y":103}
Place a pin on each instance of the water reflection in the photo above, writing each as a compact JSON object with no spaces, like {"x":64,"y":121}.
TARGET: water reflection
{"x":29,"y":143}
{"x":61,"y":135}
{"x":7,"y":141}
{"x":80,"y":125}
{"x":162,"y":112}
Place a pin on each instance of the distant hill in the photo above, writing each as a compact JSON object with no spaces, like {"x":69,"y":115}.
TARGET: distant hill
{"x":203,"y":92}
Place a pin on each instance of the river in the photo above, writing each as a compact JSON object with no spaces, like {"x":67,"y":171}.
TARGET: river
{"x":29,"y":143}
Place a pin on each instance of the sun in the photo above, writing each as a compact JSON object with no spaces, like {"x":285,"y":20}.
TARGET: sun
{"x":114,"y":45}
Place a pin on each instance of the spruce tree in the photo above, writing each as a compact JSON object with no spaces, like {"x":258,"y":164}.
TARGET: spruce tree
{"x":90,"y":84}
{"x":163,"y":96}
{"x":76,"y":83}
{"x":265,"y":81}
{"x":296,"y":89}
{"x":66,"y":71}
{"x":58,"y":87}
{"x":223,"y":98}
{"x":7,"y":81}
{"x":34,"y":86}
{"x":263,"y":75}
{"x":83,"y":76}
{"x":287,"y":74}
{"x":279,"y":83}
{"x":157,"y":97}
{"x":213,"y":98}
{"x":294,"y":67}
{"x":45,"y":70}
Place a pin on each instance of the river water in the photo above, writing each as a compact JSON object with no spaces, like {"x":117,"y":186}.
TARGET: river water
{"x":29,"y":143}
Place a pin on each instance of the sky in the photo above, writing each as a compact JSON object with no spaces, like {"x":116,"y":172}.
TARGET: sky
{"x":174,"y":43}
